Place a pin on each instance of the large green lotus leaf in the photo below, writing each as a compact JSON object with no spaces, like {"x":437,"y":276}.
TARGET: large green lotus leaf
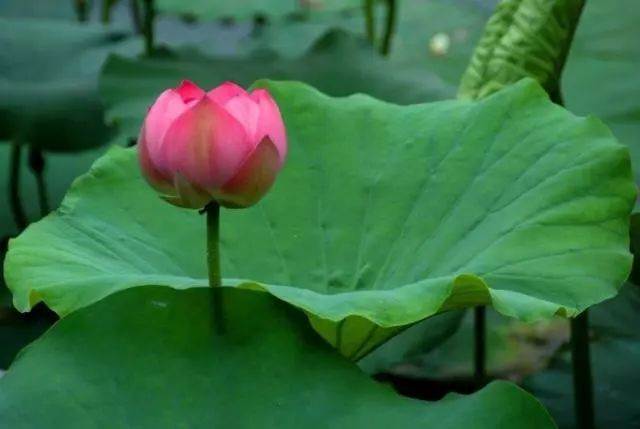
{"x":129,"y":86}
{"x":268,"y":370}
{"x":49,"y":82}
{"x":615,"y":353}
{"x":384,"y":215}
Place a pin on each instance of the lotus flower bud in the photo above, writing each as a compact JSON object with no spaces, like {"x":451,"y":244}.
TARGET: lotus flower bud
{"x":225,"y":145}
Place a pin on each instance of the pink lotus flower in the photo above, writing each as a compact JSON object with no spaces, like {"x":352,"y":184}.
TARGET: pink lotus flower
{"x":225,"y":145}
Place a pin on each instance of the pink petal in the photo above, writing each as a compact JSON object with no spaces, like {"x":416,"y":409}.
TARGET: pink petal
{"x":166,"y":108}
{"x":154,"y":176}
{"x":253,"y":179}
{"x":270,"y":122}
{"x":188,"y":195}
{"x":246,"y":111}
{"x":206,"y":145}
{"x":225,"y":92}
{"x":189,"y":91}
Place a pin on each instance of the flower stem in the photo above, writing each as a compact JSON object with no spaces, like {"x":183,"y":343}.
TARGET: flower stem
{"x":37,"y":165}
{"x":149,"y":16}
{"x":390,"y":27}
{"x":582,"y":380}
{"x":14,"y":187}
{"x":480,"y":348}
{"x":369,"y":15}
{"x":213,"y":264}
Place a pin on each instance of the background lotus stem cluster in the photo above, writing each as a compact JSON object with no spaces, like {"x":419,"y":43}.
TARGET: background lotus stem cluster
{"x":369,"y":9}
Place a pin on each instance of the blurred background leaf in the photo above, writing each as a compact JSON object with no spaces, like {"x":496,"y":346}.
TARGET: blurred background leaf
{"x":49,"y":9}
{"x":129,"y":86}
{"x":48,"y":82}
{"x":243,"y":9}
{"x":602,"y":76}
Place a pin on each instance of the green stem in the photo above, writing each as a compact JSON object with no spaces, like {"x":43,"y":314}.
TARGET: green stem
{"x":37,"y":165}
{"x":81,"y":10}
{"x":213,"y":263}
{"x":390,"y":26}
{"x":149,"y":16}
{"x":105,"y":13}
{"x":480,"y":344}
{"x":582,"y":379}
{"x":134,"y":9}
{"x":370,"y":17}
{"x":14,"y":187}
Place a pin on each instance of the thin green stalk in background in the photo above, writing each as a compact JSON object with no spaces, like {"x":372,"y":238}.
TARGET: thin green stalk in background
{"x":82,"y":11}
{"x":213,"y":263}
{"x":37,"y":165}
{"x":582,"y":379}
{"x":480,"y":345}
{"x":14,"y":187}
{"x":370,"y":18}
{"x":390,"y":26}
{"x":149,"y":17}
{"x":134,"y":9}
{"x":105,"y":12}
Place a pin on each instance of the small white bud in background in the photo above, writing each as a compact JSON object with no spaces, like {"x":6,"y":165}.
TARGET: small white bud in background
{"x":439,"y":44}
